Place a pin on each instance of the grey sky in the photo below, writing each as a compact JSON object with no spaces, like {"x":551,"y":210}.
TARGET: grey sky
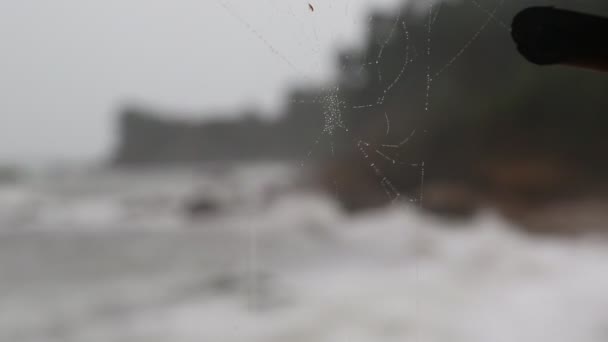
{"x":67,"y":65}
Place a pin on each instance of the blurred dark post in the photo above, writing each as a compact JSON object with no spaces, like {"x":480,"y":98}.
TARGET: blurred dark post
{"x":546,"y":35}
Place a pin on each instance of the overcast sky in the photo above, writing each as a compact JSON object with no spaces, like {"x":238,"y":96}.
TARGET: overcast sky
{"x":67,"y":65}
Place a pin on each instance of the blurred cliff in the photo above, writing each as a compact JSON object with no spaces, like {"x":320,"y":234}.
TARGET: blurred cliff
{"x":150,"y":138}
{"x":454,"y":119}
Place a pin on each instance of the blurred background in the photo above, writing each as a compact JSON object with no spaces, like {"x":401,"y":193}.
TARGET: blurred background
{"x":348,"y":170}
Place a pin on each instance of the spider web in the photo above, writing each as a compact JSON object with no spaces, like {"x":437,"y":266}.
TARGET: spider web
{"x":307,"y":38}
{"x":335,"y":107}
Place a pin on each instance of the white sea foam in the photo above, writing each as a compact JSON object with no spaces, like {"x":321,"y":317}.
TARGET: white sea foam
{"x":112,"y":257}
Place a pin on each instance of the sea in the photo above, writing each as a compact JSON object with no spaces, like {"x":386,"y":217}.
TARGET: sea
{"x":223,"y":253}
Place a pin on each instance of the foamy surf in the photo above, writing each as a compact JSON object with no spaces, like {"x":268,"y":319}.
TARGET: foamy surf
{"x":114,"y":258}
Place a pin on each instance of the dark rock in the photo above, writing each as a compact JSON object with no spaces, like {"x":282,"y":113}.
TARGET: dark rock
{"x":201,"y":206}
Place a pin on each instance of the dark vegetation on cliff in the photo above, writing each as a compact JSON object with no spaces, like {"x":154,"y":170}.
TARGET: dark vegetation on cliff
{"x":495,"y":129}
{"x":149,"y":138}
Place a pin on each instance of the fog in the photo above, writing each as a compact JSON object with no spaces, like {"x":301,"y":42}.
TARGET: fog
{"x":66,"y":65}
